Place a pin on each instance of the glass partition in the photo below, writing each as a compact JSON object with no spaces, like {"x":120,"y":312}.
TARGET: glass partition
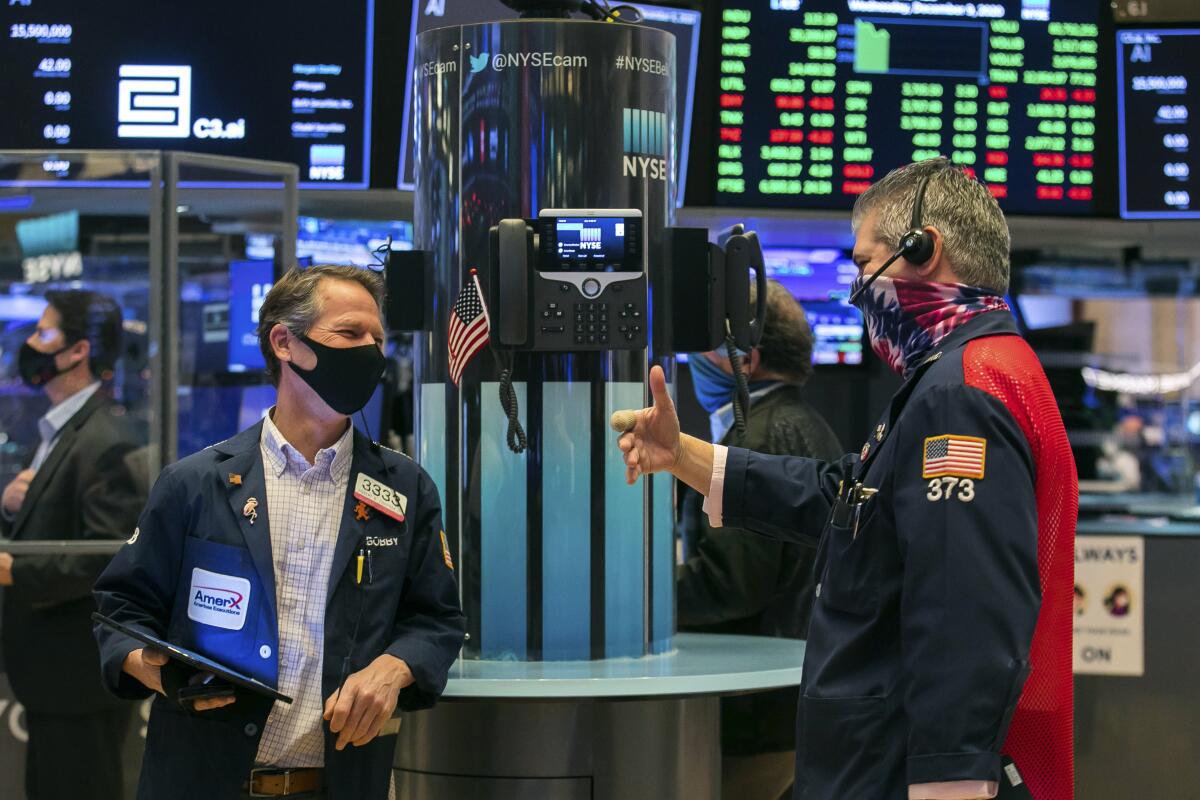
{"x":97,"y":251}
{"x":93,"y":250}
{"x":216,"y":366}
{"x":139,"y":254}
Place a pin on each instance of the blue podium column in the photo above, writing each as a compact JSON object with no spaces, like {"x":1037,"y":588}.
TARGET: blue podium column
{"x":558,"y":558}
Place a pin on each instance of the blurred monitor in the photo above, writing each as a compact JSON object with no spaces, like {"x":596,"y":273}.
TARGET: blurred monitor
{"x":337,"y":241}
{"x":820,"y":278}
{"x":1046,"y":311}
{"x":249,"y":282}
{"x":255,"y":403}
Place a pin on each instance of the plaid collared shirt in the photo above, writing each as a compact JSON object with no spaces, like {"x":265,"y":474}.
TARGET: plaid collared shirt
{"x":304,"y":508}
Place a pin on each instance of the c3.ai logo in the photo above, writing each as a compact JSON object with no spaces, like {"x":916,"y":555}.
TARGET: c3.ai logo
{"x":154,"y":101}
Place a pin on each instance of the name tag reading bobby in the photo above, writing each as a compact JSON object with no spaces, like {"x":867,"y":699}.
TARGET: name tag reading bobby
{"x":380,"y":497}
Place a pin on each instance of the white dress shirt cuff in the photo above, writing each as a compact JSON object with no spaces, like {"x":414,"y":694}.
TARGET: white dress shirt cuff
{"x":953,"y":790}
{"x":716,"y":487}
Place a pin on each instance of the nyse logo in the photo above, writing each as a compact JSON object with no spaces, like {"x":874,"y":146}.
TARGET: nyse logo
{"x":327,"y":162}
{"x":154,"y":101}
{"x":645,"y":137}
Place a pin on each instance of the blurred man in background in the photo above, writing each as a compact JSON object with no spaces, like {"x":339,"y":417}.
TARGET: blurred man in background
{"x":77,"y":485}
{"x":734,"y":583}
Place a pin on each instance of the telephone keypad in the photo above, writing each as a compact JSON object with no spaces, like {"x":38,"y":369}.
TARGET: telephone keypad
{"x":589,"y":324}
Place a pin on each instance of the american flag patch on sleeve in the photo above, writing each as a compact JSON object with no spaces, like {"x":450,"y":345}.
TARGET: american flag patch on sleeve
{"x":953,"y":456}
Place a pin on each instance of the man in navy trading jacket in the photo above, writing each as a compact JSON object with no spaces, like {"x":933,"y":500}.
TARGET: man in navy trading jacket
{"x":940,"y":642}
{"x":298,"y":552}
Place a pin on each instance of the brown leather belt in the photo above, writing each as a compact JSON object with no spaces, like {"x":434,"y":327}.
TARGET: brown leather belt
{"x":271,"y":782}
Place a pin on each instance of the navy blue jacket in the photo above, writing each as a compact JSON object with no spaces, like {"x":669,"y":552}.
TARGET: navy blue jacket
{"x":920,"y":638}
{"x":195,"y":520}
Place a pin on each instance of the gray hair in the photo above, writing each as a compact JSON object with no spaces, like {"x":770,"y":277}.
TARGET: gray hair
{"x":786,"y":347}
{"x":295,"y":303}
{"x":974,"y":232}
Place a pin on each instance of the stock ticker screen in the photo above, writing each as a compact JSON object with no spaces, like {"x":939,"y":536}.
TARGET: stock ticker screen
{"x":819,"y":98}
{"x":282,"y":81}
{"x":1158,"y":73}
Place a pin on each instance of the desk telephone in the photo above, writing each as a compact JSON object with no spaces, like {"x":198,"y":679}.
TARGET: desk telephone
{"x":569,"y":280}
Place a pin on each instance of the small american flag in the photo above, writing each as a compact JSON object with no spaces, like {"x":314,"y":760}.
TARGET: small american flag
{"x":954,"y":456}
{"x":469,"y":326}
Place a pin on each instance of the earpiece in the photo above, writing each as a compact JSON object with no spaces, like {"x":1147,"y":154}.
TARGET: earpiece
{"x":916,"y":245}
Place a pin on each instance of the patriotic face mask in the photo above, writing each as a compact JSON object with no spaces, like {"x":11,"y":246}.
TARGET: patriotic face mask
{"x":908,"y":319}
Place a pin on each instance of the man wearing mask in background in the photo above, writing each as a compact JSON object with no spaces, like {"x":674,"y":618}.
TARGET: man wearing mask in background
{"x":940,"y":642}
{"x":333,"y":546}
{"x":76,"y":486}
{"x":736,"y":583}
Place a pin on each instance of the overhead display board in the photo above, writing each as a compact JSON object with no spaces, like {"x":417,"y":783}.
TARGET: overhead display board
{"x":817,"y":99}
{"x":282,"y":81}
{"x":1140,"y":11}
{"x":1158,"y":118}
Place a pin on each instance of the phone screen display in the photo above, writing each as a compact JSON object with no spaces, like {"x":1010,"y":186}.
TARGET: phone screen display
{"x":591,"y":244}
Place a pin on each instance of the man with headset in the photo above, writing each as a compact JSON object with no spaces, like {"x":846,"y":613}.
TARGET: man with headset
{"x":939,"y":654}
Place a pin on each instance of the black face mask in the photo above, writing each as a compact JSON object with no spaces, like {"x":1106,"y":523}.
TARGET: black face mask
{"x":38,"y":368}
{"x":344,"y":377}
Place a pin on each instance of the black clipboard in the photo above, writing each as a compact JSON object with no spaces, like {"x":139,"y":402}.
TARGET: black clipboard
{"x":194,"y":659}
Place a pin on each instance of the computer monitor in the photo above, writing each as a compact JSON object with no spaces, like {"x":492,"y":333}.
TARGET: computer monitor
{"x":1157,"y":127}
{"x":249,"y":282}
{"x":820,"y":278}
{"x":282,"y":80}
{"x":337,"y":241}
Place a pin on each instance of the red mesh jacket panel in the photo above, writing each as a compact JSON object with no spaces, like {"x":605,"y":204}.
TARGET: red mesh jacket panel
{"x":1041,"y":738}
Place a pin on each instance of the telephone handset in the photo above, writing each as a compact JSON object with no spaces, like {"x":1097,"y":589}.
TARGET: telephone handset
{"x":512,"y":241}
{"x":568,"y":280}
{"x":703,"y":289}
{"x":742,"y":253}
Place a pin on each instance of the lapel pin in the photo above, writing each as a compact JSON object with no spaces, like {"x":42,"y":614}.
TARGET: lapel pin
{"x":250,"y":510}
{"x":235,"y":479}
{"x":879,"y":431}
{"x":865,"y":452}
{"x":360,"y":512}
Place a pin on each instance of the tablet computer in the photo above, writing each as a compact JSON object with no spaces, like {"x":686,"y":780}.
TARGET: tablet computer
{"x":194,"y":659}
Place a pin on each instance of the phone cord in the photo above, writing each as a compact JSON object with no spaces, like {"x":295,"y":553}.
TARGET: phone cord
{"x":741,"y":398}
{"x":517,"y":442}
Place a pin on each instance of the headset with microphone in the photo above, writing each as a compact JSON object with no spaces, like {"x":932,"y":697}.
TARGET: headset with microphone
{"x":916,"y":245}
